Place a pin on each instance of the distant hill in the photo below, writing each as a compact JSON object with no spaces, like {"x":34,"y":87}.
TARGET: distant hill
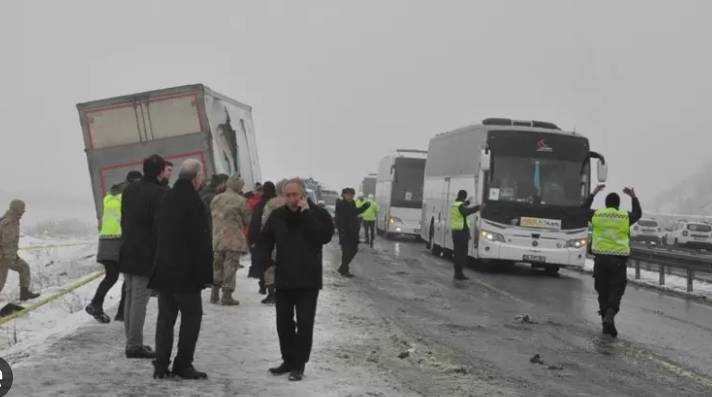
{"x":691,"y":196}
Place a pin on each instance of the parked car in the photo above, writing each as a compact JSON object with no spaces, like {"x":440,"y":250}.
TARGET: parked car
{"x":690,"y":234}
{"x":648,"y":231}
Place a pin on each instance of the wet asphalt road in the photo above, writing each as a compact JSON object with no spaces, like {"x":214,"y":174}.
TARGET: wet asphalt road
{"x":664,"y":348}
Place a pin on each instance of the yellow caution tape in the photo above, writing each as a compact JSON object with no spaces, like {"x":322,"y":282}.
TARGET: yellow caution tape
{"x":39,"y":247}
{"x":58,"y":294}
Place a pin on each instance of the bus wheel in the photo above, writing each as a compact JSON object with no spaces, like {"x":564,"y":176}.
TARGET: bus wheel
{"x":552,"y":271}
{"x":436,"y":250}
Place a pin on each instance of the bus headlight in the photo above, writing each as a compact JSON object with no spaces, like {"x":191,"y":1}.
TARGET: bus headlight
{"x":491,"y":236}
{"x":395,"y":220}
{"x":577,"y":243}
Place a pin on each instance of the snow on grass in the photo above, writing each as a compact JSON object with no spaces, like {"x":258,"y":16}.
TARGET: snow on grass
{"x":60,"y":263}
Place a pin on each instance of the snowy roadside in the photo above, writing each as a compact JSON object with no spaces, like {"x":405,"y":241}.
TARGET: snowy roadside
{"x":237,"y":345}
{"x":54,"y":264}
{"x":673,"y":283}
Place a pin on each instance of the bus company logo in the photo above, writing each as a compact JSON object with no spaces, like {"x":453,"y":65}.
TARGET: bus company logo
{"x":6,"y":377}
{"x":541,"y":146}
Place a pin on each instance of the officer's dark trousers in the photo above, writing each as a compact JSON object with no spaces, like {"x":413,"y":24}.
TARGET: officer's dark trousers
{"x":295,"y":338}
{"x":369,"y":227}
{"x":348,"y":253}
{"x":190,"y":307}
{"x":459,"y":240}
{"x":110,"y":277}
{"x":610,"y":274}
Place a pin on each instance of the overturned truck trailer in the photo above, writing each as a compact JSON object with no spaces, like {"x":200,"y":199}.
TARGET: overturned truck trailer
{"x":177,"y":123}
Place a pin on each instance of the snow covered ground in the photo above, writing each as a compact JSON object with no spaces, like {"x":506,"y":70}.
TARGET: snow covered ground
{"x":66,"y":352}
{"x":54,"y":263}
{"x":58,"y":349}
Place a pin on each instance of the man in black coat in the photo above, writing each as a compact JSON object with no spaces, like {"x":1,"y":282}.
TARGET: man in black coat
{"x":184,"y":266}
{"x":299,"y":230}
{"x":139,"y":206}
{"x":349,"y":225}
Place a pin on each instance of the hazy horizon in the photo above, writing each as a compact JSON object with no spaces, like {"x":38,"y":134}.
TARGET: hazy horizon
{"x":335,"y":86}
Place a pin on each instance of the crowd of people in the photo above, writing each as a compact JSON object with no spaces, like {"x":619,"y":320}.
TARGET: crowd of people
{"x":175,"y":241}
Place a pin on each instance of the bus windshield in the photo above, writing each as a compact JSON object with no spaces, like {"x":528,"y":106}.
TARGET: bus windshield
{"x":407,"y":191}
{"x":543,"y":181}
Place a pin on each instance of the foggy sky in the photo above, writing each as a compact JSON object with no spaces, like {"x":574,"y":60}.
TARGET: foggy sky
{"x":336,"y":85}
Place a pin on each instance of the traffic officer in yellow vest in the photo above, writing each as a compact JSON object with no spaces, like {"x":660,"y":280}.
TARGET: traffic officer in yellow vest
{"x":611,"y":248}
{"x":359,"y":201}
{"x":109,"y":244}
{"x":459,"y":211}
{"x":369,"y":220}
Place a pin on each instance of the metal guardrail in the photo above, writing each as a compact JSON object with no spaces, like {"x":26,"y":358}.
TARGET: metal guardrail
{"x":690,"y":262}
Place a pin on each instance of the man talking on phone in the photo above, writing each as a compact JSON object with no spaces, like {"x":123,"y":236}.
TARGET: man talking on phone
{"x":298,"y":230}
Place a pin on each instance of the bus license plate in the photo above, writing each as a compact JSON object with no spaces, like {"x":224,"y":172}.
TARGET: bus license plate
{"x":535,"y":258}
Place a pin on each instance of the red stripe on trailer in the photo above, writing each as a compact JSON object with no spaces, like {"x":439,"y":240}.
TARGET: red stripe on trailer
{"x":103,"y":170}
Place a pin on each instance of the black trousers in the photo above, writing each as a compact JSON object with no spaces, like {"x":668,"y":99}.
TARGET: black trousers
{"x":369,"y":227}
{"x":459,"y":241}
{"x":110,"y":278}
{"x":348,"y":253}
{"x":611,"y":278}
{"x":190,"y":307}
{"x":295,"y":338}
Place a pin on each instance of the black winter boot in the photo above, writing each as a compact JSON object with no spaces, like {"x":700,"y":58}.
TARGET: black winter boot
{"x":189,"y":373}
{"x":270,"y":299}
{"x":97,"y":312}
{"x":161,"y":371}
{"x":26,"y":294}
{"x":609,"y":324}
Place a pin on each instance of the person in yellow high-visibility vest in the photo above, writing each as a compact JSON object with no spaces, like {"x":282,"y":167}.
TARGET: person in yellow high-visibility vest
{"x":459,"y":211}
{"x":359,"y":201}
{"x":369,"y":220}
{"x":108,"y":252}
{"x":611,"y":247}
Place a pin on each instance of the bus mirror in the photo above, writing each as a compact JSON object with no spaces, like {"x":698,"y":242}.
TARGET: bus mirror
{"x":485,"y":160}
{"x":602,"y":172}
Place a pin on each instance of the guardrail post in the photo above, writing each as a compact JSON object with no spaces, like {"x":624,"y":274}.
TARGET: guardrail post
{"x":690,"y":278}
{"x":661,"y":269}
{"x":637,"y":269}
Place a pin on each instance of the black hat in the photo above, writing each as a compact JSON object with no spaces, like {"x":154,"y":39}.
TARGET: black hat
{"x":613,"y":200}
{"x":133,"y":176}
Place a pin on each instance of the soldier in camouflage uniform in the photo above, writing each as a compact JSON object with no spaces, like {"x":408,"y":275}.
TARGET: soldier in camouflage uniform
{"x":9,"y":245}
{"x":230,"y":214}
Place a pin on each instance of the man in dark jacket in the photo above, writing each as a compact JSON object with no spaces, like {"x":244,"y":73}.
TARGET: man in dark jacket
{"x":184,"y":258}
{"x":349,"y":225}
{"x":139,"y":206}
{"x":299,"y":230}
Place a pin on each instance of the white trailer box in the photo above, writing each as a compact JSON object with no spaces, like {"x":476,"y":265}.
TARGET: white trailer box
{"x":177,"y":123}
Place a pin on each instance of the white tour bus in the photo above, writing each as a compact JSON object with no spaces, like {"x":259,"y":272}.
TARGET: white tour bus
{"x":531,"y":179}
{"x":399,"y":192}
